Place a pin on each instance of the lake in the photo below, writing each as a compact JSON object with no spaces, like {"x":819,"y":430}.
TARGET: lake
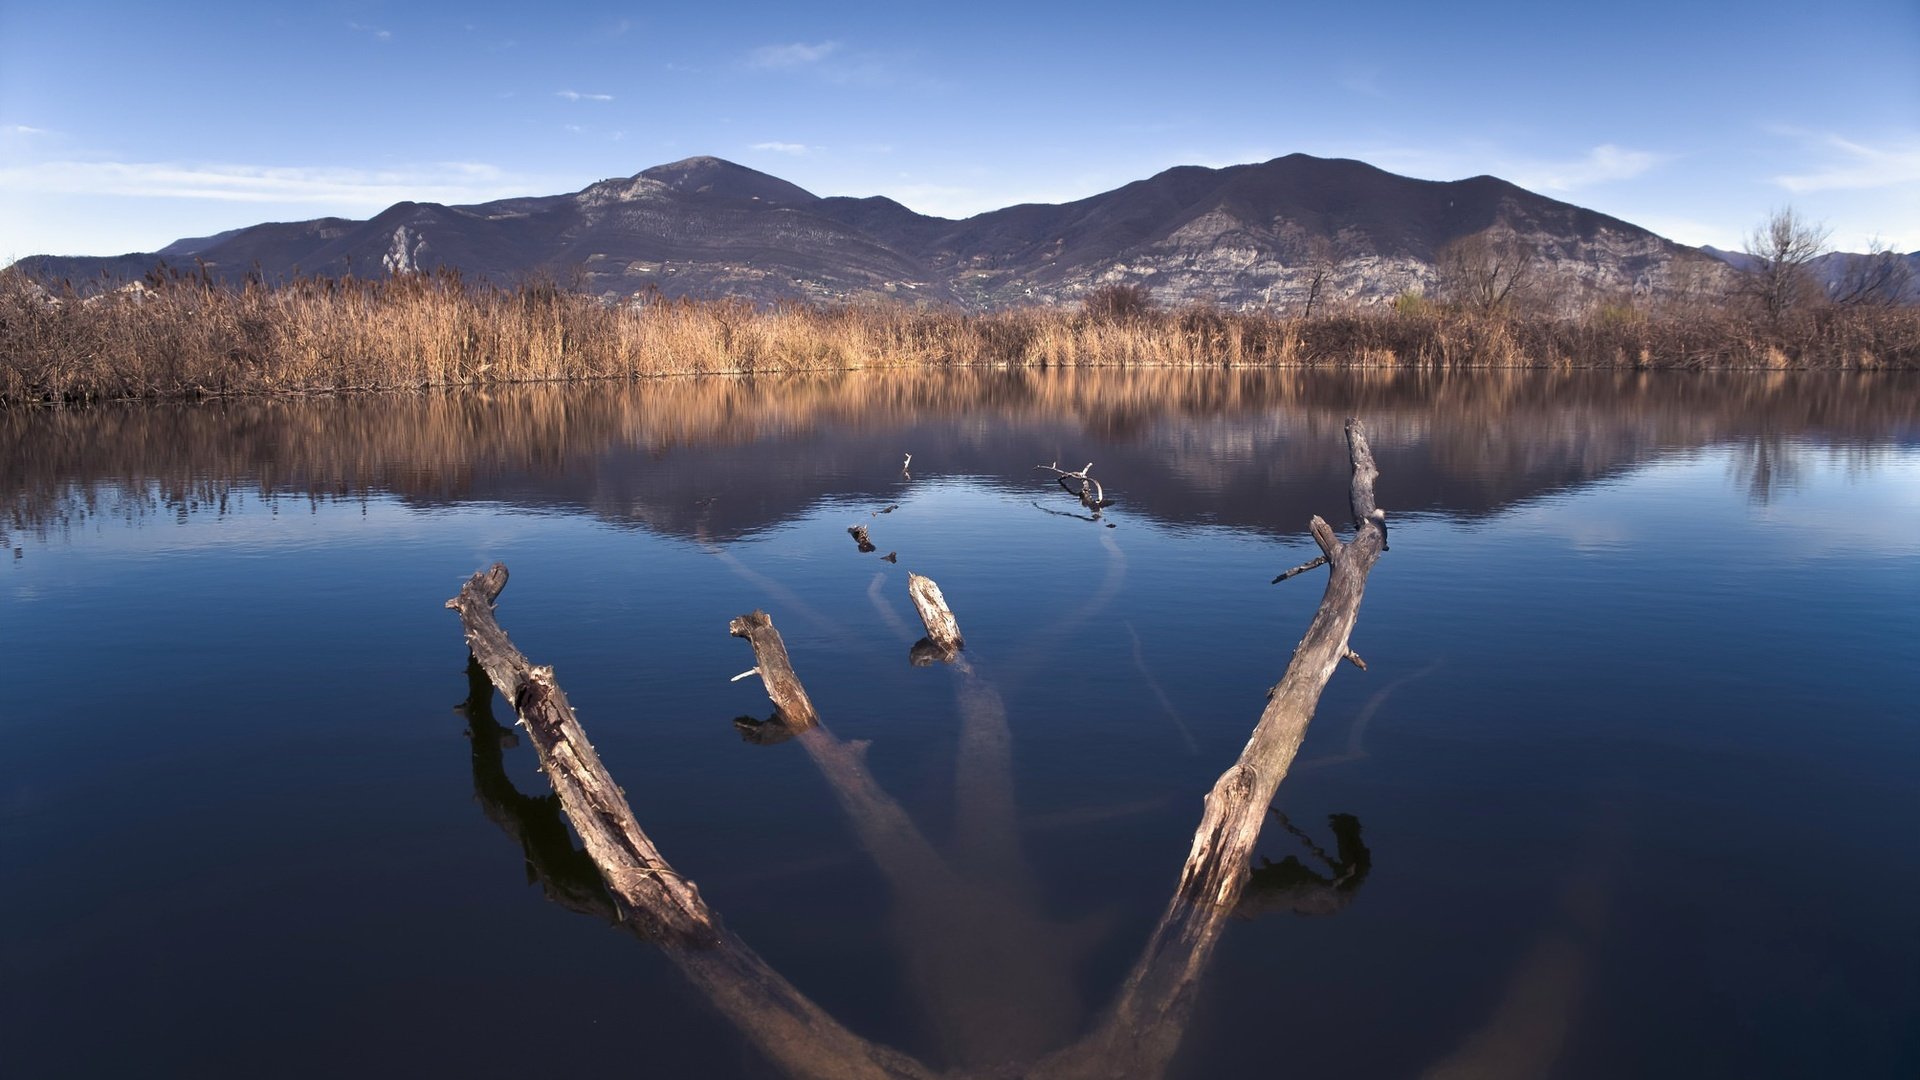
{"x":1627,"y":788}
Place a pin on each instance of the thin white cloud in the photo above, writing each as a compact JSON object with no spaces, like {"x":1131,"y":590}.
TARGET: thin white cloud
{"x":377,"y":32}
{"x":795,"y":55}
{"x":22,"y":129}
{"x":450,"y":182}
{"x":575,"y":95}
{"x":793,"y":148}
{"x":1602,"y":164}
{"x":1857,"y":166}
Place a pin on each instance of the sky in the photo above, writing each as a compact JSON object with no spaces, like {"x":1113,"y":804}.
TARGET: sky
{"x":125,"y":126}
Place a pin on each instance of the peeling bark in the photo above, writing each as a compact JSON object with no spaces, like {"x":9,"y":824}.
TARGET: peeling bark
{"x":943,"y":630}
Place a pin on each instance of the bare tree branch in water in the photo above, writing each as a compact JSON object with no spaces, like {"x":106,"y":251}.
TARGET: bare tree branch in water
{"x":996,"y":946}
{"x":1143,"y":1027}
{"x":1089,"y":492}
{"x":652,"y":898}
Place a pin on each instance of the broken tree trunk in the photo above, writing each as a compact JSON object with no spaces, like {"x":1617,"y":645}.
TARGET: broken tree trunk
{"x":1237,"y":806}
{"x":775,"y":670}
{"x":654,"y":900}
{"x":993,"y":974}
{"x":1143,"y":1027}
{"x":635,"y":870}
{"x":943,"y":630}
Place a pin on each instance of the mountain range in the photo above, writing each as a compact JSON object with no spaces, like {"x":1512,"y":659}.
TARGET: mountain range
{"x":1241,"y":237}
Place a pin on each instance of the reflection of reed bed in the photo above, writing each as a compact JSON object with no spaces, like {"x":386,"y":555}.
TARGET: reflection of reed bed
{"x":187,"y":336}
{"x":437,"y":444}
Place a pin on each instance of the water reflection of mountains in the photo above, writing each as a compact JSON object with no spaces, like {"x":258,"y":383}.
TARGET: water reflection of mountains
{"x":719,"y":458}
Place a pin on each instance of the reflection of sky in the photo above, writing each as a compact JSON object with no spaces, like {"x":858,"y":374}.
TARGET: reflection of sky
{"x":1841,"y":500}
{"x":1652,"y":677}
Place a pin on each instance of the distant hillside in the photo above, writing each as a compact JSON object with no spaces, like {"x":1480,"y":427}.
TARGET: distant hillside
{"x":1240,"y":237}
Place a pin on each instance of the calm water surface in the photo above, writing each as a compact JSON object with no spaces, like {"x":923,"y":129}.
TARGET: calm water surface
{"x":1628,"y":787}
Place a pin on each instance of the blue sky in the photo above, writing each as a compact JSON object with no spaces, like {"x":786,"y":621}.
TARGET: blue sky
{"x":124,"y":126}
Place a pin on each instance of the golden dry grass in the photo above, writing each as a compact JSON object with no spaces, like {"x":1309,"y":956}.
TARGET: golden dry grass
{"x":188,"y":336}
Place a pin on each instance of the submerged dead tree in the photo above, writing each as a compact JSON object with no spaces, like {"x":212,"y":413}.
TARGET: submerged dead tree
{"x":653,"y":899}
{"x":1237,"y":806}
{"x":1142,"y":1029}
{"x":991,"y":973}
{"x":1139,"y":1032}
{"x":943,"y":641}
{"x":1089,"y":492}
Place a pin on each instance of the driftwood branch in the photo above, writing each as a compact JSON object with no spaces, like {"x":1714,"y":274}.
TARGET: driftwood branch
{"x":992,"y":973}
{"x":1143,"y":1027}
{"x":1090,"y":493}
{"x":1237,"y":806}
{"x":1317,"y":560}
{"x":636,"y":872}
{"x":775,"y":670}
{"x":943,"y":640}
{"x":652,"y":898}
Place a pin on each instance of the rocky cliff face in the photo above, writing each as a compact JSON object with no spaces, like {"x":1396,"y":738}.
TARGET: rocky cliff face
{"x":1248,"y":236}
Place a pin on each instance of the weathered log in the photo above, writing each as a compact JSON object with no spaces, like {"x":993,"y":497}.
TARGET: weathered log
{"x":1237,"y":806}
{"x":566,"y":874}
{"x":1143,"y":1027}
{"x":993,"y":974}
{"x":653,"y":899}
{"x":775,"y":670}
{"x":943,"y":630}
{"x":639,"y":877}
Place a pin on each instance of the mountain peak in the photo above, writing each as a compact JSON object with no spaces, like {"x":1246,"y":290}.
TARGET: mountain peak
{"x":706,"y":175}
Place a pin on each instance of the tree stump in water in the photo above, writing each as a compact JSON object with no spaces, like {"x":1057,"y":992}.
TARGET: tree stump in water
{"x":943,"y":640}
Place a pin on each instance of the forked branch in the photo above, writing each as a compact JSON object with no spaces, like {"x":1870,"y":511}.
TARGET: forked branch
{"x":1090,"y":493}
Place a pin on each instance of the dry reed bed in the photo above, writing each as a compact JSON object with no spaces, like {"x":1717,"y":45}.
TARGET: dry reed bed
{"x":191,"y":337}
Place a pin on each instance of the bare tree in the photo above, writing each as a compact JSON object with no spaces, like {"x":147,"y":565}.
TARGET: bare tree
{"x":1485,"y":272}
{"x":1880,"y":278}
{"x":1118,"y":302}
{"x":1780,"y":253}
{"x":1325,"y":255}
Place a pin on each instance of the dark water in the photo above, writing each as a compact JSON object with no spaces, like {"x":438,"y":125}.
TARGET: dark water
{"x":1628,"y":788}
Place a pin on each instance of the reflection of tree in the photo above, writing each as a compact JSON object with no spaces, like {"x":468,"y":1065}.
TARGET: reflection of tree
{"x":1768,"y":465}
{"x":564,"y":872}
{"x":657,"y":454}
{"x":1290,"y":885}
